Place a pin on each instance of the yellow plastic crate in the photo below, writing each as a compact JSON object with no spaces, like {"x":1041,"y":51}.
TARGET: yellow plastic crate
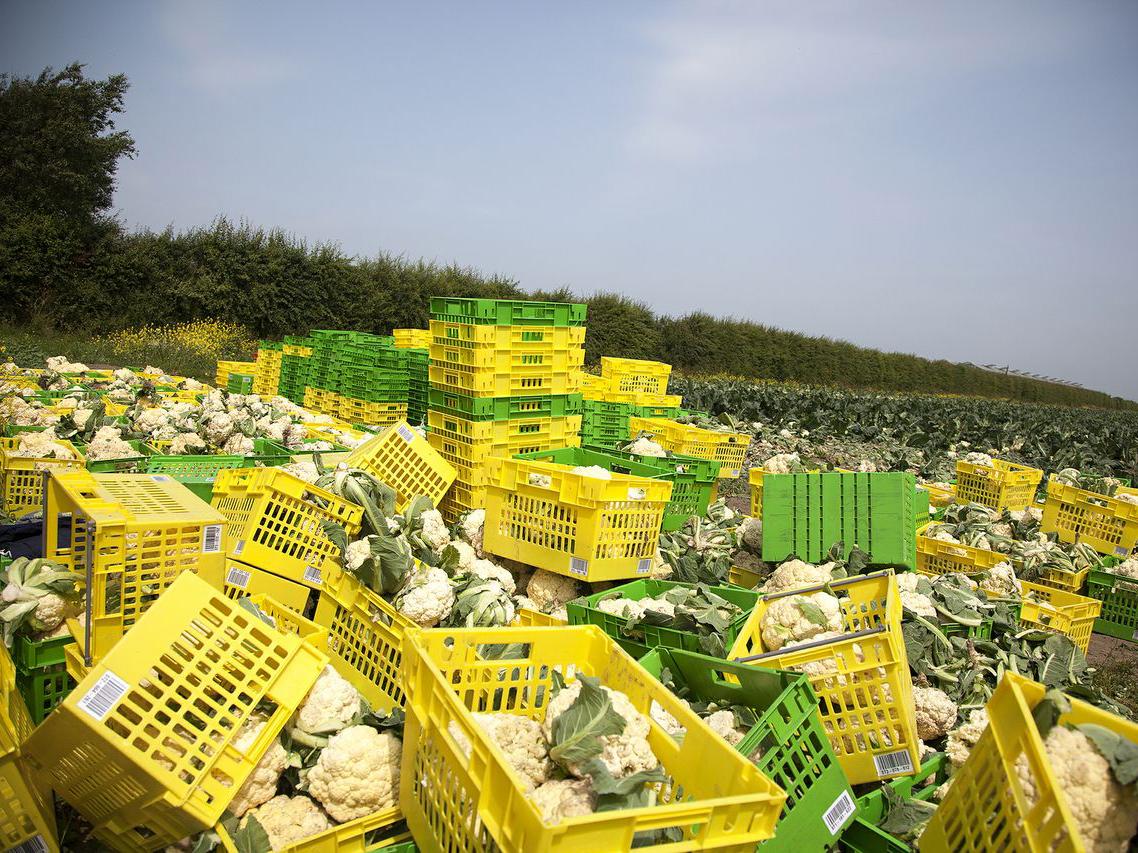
{"x":727,"y":448}
{"x":938,"y":497}
{"x":632,"y":375}
{"x":471,"y":443}
{"x":224,"y":368}
{"x":402,"y":458}
{"x":293,"y":349}
{"x":267,"y":378}
{"x":275,"y":522}
{"x":718,"y":800}
{"x":746,"y":578}
{"x":354,"y":836}
{"x":143,"y":747}
{"x":237,"y":580}
{"x":527,"y":618}
{"x":365,"y":634}
{"x":644,"y":399}
{"x":1108,"y":525}
{"x":534,"y":339}
{"x":411,"y":338}
{"x":138,"y":532}
{"x":866,"y":707}
{"x":1060,"y":611}
{"x":319,"y":400}
{"x":594,"y":387}
{"x":27,"y":813}
{"x":373,"y":414}
{"x":986,"y":807}
{"x":520,"y":380}
{"x":1003,"y":486}
{"x":935,"y":557}
{"x":23,"y":476}
{"x":15,"y":721}
{"x":576,"y":525}
{"x":460,"y":500}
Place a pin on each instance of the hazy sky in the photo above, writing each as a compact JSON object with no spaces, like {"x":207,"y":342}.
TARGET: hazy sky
{"x":958,"y":180}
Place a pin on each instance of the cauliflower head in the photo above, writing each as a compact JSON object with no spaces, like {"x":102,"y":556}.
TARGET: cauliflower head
{"x":470,"y":528}
{"x":357,"y":773}
{"x":523,"y":742}
{"x":288,"y":819}
{"x":551,"y":591}
{"x":435,"y":532}
{"x":1001,"y":581}
{"x":795,"y":574}
{"x":936,"y":712}
{"x":798,"y":618}
{"x":492,"y":571}
{"x":623,"y":754}
{"x":261,"y":784}
{"x":646,"y":447}
{"x":329,"y":706}
{"x":427,"y":597}
{"x":558,"y":799}
{"x":723,"y":724}
{"x":963,"y":738}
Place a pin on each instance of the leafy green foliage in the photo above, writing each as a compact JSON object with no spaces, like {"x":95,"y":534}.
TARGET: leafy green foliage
{"x":577,"y":731}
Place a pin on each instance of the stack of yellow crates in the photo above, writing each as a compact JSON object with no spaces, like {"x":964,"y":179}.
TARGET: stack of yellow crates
{"x":505,"y":378}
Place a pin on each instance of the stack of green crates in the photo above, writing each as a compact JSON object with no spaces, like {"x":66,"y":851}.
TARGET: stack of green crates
{"x":505,"y":378}
{"x":296,"y":353}
{"x":605,"y":424}
{"x":41,"y":674}
{"x":418,"y":384}
{"x":806,"y":514}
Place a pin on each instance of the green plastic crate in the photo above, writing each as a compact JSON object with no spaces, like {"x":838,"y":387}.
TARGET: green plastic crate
{"x":584,"y":611}
{"x":692,"y":479}
{"x":863,"y":835}
{"x":1119,"y":617}
{"x":921,"y":508}
{"x":30,"y":654}
{"x":135,"y":464}
{"x":805,"y":514}
{"x":795,"y":752}
{"x":43,"y":689}
{"x":196,"y":473}
{"x":504,"y":408}
{"x":240,"y":383}
{"x":507,"y":312}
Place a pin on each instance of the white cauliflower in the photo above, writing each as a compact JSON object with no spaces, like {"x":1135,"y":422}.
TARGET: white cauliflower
{"x":750,"y":534}
{"x":795,"y":574}
{"x":521,"y":739}
{"x":596,"y":472}
{"x":261,"y":784}
{"x":426,"y":598}
{"x":664,"y":719}
{"x":435,"y":532}
{"x":551,"y":591}
{"x":646,"y":447}
{"x":1105,"y":811}
{"x":723,"y":724}
{"x":1000,"y":581}
{"x":107,"y":443}
{"x":289,"y":819}
{"x":798,"y":618}
{"x":151,"y":420}
{"x":470,"y":528}
{"x":783,"y":463}
{"x":491,"y":571}
{"x":1128,"y":568}
{"x":218,"y":428}
{"x":187,"y":443}
{"x":466,"y":555}
{"x":978,"y":459}
{"x":357,"y":773}
{"x":543,"y":481}
{"x":303,"y":469}
{"x":41,"y":445}
{"x":238,"y":445}
{"x":1127,"y":497}
{"x":963,"y":738}
{"x":60,"y":364}
{"x":936,"y":712}
{"x":559,"y":799}
{"x":622,"y":754}
{"x":625,"y":608}
{"x":329,"y":706}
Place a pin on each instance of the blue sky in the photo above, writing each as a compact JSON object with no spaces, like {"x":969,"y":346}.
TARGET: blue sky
{"x":957,"y":180}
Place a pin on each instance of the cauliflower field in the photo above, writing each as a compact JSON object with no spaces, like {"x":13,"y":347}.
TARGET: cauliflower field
{"x":578,"y":749}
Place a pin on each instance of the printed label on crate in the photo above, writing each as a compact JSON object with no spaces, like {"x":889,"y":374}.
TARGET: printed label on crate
{"x":211,"y":539}
{"x":893,"y":763}
{"x":237,"y":577}
{"x":577,"y":566}
{"x":312,"y":575}
{"x":734,"y":472}
{"x":406,"y":433}
{"x":239,"y":547}
{"x":100,"y":699}
{"x":35,"y":844}
{"x":1134,"y":636}
{"x":159,"y":478}
{"x":835,"y":816}
{"x":1120,"y":552}
{"x":644,"y":566}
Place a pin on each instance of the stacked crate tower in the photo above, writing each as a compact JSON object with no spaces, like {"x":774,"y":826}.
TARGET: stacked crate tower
{"x":627,"y":388}
{"x":505,"y":378}
{"x":414,"y":344}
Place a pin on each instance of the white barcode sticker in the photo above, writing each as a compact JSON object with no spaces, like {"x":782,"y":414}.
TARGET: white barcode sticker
{"x":237,"y":577}
{"x":577,"y":566}
{"x":835,"y":816}
{"x":159,"y":478}
{"x":1120,"y":552}
{"x":406,"y":433}
{"x":239,"y":547}
{"x":644,"y":566}
{"x":211,"y":539}
{"x":312,"y":575}
{"x":35,"y":844}
{"x":1134,"y":636}
{"x":100,"y":699}
{"x":893,"y":763}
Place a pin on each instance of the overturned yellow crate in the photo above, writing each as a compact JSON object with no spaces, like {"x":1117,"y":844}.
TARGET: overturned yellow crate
{"x":988,"y":807}
{"x":144,"y":747}
{"x":1107,"y":524}
{"x":1060,"y":611}
{"x":401,"y":457}
{"x":1003,"y":485}
{"x":128,"y":537}
{"x":238,"y":580}
{"x":861,"y":679}
{"x":545,"y":515}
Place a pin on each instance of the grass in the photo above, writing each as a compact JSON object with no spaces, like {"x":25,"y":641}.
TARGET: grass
{"x":186,"y":349}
